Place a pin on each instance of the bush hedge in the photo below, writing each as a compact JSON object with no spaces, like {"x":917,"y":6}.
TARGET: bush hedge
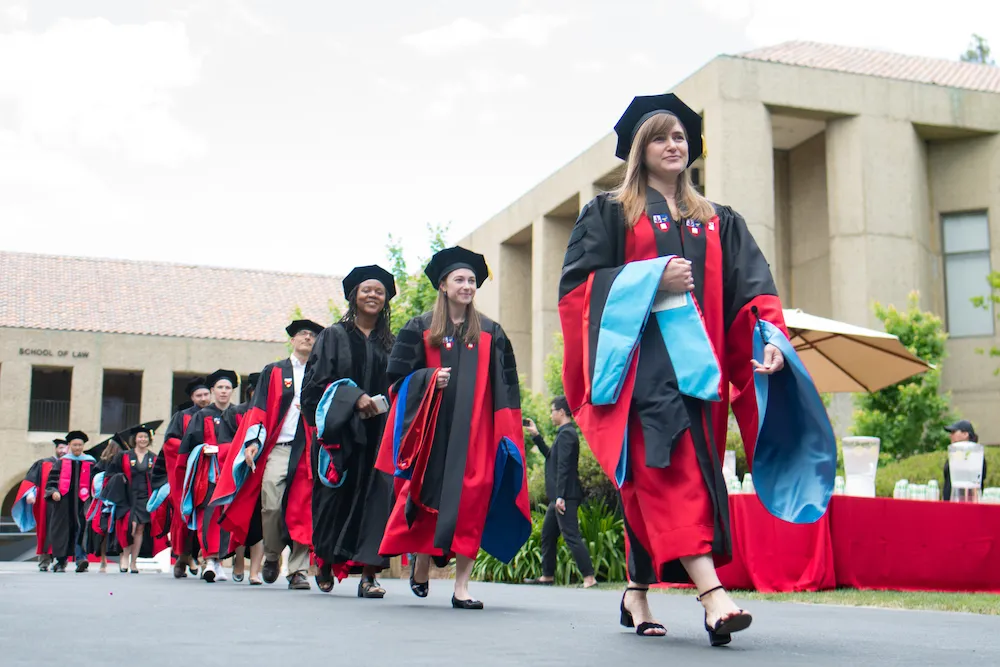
{"x":921,"y":468}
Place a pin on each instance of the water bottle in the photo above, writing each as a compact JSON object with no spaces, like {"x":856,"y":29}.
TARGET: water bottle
{"x":901,"y":490}
{"x":734,"y":485}
{"x":748,"y":483}
{"x":933,"y":492}
{"x":838,"y":485}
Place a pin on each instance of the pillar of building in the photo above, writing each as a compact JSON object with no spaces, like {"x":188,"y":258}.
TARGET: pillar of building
{"x":515,"y":287}
{"x":879,"y":215}
{"x":84,"y":411}
{"x":739,"y":167}
{"x":157,"y":393}
{"x":549,"y":238}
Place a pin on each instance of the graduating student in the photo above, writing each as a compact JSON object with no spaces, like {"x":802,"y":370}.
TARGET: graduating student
{"x":67,"y":491}
{"x":101,"y":536}
{"x":257,"y":549}
{"x":273,"y":478}
{"x":346,"y":369}
{"x":172,"y":473}
{"x":454,"y":444}
{"x":666,"y":300}
{"x":205,"y":446}
{"x":29,"y":509}
{"x":133,"y":469}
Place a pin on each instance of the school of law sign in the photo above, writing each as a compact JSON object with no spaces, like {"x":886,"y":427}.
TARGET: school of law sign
{"x":45,"y":352}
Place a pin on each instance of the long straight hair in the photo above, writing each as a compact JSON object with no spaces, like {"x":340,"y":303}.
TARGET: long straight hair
{"x":632,"y":191}
{"x":441,"y":322}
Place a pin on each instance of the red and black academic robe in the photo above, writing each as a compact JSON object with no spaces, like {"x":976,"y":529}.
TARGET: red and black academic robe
{"x":131,"y":504}
{"x":350,"y":498}
{"x":173,"y":467}
{"x":239,"y":494}
{"x":663,"y":448}
{"x":100,"y":532}
{"x":66,"y":521}
{"x":210,"y":426}
{"x":33,"y":517}
{"x":460,"y":477}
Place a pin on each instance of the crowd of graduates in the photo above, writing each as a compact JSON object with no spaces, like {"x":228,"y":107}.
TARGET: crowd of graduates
{"x":363,"y":445}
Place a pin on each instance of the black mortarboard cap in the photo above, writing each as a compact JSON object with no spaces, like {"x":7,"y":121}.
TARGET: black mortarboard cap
{"x":99,"y":448}
{"x":58,"y":441}
{"x":360,"y":274}
{"x":298,"y":325}
{"x":149,"y":427}
{"x":252,"y":379}
{"x":223,"y":374}
{"x":195,"y":384}
{"x":448,"y":260}
{"x":76,"y":435}
{"x":645,"y":107}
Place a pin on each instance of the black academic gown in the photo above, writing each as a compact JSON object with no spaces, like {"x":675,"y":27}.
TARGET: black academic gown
{"x":348,"y":521}
{"x":67,"y":517}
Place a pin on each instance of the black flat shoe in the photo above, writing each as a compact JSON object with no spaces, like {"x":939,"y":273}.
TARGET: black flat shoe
{"x":324,"y":579}
{"x":628,"y":622}
{"x":419,"y":589}
{"x":270,"y":571}
{"x":465,"y":604}
{"x":721,"y":634}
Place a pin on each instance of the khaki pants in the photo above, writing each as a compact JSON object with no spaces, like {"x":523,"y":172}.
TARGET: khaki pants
{"x":272,"y":522}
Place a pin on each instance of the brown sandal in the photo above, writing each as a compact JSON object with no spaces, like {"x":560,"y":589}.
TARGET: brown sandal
{"x":324,"y":579}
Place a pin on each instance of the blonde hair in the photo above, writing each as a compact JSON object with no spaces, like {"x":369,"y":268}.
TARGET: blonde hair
{"x":631,"y":194}
{"x":440,"y":321}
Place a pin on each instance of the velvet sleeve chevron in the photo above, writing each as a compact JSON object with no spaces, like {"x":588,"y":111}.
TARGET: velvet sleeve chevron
{"x":408,"y":351}
{"x":506,"y":393}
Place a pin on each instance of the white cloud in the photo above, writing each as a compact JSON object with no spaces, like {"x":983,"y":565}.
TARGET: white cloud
{"x":15,"y":15}
{"x":463,"y":33}
{"x":444,"y":100}
{"x":92,"y":84}
{"x":455,"y":36}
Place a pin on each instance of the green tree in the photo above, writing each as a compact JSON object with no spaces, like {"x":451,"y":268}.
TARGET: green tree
{"x":909,"y":417}
{"x":414,"y":293}
{"x":987,"y":302}
{"x":978,"y":51}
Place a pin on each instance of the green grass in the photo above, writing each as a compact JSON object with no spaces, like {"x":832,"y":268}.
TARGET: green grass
{"x":972,"y":603}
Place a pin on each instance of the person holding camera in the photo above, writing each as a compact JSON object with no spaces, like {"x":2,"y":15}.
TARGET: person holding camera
{"x":563,"y":489}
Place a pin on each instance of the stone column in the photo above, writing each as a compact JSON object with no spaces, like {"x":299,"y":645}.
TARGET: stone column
{"x":879,"y":215}
{"x":549,"y":238}
{"x":739,"y":168}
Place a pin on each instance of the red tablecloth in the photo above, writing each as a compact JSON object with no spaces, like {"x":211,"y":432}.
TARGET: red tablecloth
{"x":770,"y":555}
{"x":883,"y":543}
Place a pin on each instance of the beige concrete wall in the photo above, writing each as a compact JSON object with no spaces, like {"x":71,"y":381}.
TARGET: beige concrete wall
{"x":157,"y":357}
{"x":550,"y":236}
{"x":874,"y":239}
{"x":809,"y":228}
{"x":515,"y":309}
{"x":965,"y":176}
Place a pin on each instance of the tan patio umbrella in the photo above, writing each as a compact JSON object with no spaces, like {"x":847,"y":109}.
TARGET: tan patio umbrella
{"x":842,"y":357}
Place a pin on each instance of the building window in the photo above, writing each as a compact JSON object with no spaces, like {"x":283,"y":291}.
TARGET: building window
{"x":120,"y":400}
{"x":966,"y":266}
{"x":179,"y":396}
{"x":49,"y":404}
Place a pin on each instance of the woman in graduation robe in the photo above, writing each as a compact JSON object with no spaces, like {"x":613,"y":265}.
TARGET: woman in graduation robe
{"x":346,"y":369}
{"x":29,"y":508}
{"x":134,"y":520}
{"x":663,"y":296}
{"x":205,"y":445}
{"x":454,"y":443}
{"x":67,"y":493}
{"x":102,"y":539}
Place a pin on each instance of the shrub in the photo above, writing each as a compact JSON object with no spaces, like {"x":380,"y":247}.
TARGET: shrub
{"x":603,"y":531}
{"x":921,"y":468}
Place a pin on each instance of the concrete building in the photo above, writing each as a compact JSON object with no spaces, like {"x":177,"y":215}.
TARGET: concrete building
{"x":863,"y":175}
{"x":98,"y":345}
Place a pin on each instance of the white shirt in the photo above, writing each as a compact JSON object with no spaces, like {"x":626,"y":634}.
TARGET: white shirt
{"x":291,"y":423}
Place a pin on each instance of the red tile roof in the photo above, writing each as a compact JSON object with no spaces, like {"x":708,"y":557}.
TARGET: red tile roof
{"x":853,"y":60}
{"x":158,"y":299}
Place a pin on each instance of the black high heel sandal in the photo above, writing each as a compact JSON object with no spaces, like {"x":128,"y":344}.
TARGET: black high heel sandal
{"x":721,"y":634}
{"x":628,"y":622}
{"x":420,"y":590}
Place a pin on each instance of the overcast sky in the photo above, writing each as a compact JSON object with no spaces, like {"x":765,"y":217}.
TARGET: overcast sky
{"x":296,"y":136}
